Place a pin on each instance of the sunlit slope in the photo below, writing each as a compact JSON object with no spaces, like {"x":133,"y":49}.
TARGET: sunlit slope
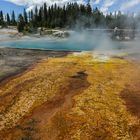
{"x":91,"y":107}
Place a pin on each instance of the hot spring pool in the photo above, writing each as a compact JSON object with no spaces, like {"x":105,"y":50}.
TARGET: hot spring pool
{"x":66,"y":45}
{"x":49,"y":45}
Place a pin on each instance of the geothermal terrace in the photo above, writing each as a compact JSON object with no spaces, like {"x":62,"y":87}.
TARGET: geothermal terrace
{"x":68,"y":96}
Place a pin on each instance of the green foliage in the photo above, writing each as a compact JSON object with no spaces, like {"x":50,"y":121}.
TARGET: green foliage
{"x":13,"y":19}
{"x":21,"y":23}
{"x":71,"y":15}
{"x":25,"y":16}
{"x":8,"y":19}
{"x":2,"y":22}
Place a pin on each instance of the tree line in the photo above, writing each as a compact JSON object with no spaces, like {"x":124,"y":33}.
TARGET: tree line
{"x":71,"y":15}
{"x":8,"y":19}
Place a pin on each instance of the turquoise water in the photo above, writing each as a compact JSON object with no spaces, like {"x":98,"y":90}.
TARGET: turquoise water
{"x":74,"y":44}
{"x":50,"y":45}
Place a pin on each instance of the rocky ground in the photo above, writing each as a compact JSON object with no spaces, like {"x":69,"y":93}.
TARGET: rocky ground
{"x":14,"y":61}
{"x":11,"y":33}
{"x":72,"y":98}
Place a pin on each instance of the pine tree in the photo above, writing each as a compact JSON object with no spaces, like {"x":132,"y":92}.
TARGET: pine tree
{"x":8,"y":19}
{"x":21,"y":23}
{"x":45,"y":12}
{"x":13,"y":20}
{"x":1,"y":18}
{"x":40,"y":16}
{"x":36,"y":16}
{"x":32,"y":15}
{"x":25,"y":16}
{"x":89,"y":10}
{"x":69,"y":16}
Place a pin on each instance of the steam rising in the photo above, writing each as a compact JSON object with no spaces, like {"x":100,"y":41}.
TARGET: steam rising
{"x":104,"y":47}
